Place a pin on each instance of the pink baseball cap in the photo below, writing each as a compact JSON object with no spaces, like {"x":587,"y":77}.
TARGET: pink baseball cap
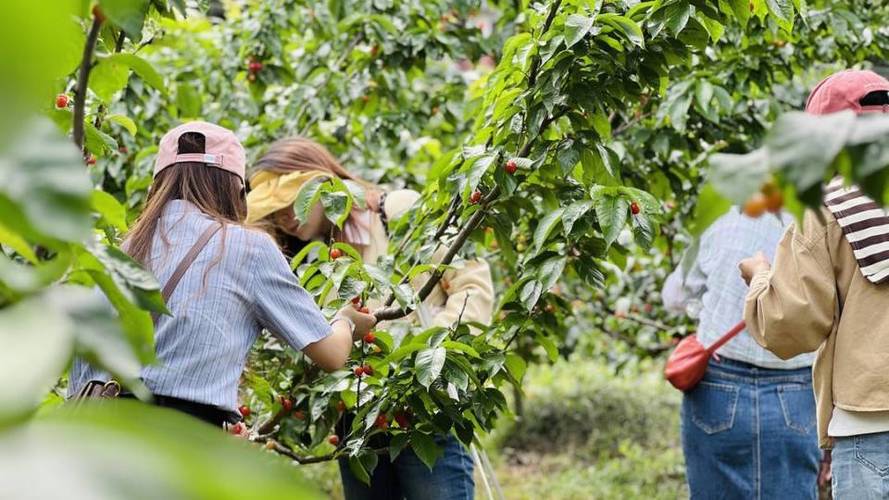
{"x":843,"y":90}
{"x":222,"y":149}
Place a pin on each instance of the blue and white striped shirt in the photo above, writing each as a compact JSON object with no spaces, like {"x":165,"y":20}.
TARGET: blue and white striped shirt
{"x":714,"y":285}
{"x":202,"y":348}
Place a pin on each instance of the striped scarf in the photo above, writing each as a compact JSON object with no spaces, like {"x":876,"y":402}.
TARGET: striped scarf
{"x":865,"y":225}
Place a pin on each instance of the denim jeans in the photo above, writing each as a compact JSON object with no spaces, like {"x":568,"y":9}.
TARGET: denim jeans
{"x":409,"y":478}
{"x":749,"y":433}
{"x":860,"y":466}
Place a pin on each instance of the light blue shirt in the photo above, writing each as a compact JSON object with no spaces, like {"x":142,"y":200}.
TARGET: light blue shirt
{"x":714,"y":285}
{"x":238,"y":285}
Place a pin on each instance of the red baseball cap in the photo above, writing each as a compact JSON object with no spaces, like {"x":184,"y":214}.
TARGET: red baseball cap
{"x":843,"y":90}
{"x":223,"y":150}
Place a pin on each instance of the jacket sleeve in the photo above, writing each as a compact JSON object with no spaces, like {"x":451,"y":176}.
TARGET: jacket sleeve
{"x":790,"y":310}
{"x":468,"y":282}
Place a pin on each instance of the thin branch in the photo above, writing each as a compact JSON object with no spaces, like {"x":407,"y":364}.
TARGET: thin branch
{"x":83,"y":79}
{"x":462,"y":310}
{"x":535,"y":65}
{"x":287,"y":452}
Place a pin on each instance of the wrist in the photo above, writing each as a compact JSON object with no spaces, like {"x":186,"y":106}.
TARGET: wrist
{"x":347,"y":320}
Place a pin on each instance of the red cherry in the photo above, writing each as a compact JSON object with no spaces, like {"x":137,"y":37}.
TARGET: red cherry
{"x":475,"y":197}
{"x":368,"y":370}
{"x":244,"y":410}
{"x":634,"y":208}
{"x":370,"y":338}
{"x":403,"y":419}
{"x":299,"y":415}
{"x":90,"y":160}
{"x":511,"y":167}
{"x":382,"y":422}
{"x":359,"y":371}
{"x":237,"y":428}
{"x":335,"y":253}
{"x":340,"y":406}
{"x":254,"y":66}
{"x":334,"y":440}
{"x":286,"y":404}
{"x":61,"y":101}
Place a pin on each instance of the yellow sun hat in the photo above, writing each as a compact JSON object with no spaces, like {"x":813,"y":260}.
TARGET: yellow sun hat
{"x":271,"y":191}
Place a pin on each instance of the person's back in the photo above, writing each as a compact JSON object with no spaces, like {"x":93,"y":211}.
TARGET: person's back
{"x":829,"y":290}
{"x":748,"y":396}
{"x":225,"y":281}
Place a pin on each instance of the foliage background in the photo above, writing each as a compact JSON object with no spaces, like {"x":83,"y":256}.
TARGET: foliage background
{"x":600,"y":104}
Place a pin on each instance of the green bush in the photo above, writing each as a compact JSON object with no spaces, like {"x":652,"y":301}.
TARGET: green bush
{"x":583,"y":407}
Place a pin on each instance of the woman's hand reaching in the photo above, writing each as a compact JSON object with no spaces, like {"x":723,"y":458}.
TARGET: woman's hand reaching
{"x":752,"y":266}
{"x":364,"y":322}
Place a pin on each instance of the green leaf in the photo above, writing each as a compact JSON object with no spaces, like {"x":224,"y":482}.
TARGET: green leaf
{"x":545,"y":227}
{"x":308,"y":196}
{"x":737,"y":177}
{"x":97,"y":141}
{"x":43,"y":176}
{"x":128,"y":14}
{"x":37,"y":344}
{"x":110,"y":209}
{"x":17,"y":243}
{"x":677,"y":16}
{"x":146,"y":452}
{"x":530,"y":293}
{"x":783,"y":12}
{"x":426,"y":448}
{"x":516,"y":366}
{"x":802,"y":146}
{"x":397,"y":444}
{"x":573,"y":212}
{"x":611,"y":212}
{"x":188,"y":100}
{"x":429,"y":363}
{"x":108,"y":78}
{"x":627,"y":26}
{"x":124,"y":121}
{"x":576,"y":27}
{"x":143,"y":68}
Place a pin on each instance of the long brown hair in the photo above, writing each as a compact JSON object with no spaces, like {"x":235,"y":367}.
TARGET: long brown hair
{"x":300,"y":154}
{"x":215,"y":192}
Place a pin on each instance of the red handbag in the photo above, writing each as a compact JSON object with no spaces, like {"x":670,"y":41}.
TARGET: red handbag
{"x":688,"y":362}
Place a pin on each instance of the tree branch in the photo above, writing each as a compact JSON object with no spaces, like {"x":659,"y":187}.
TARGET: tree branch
{"x":532,"y":72}
{"x":82,"y":80}
{"x":390,"y":313}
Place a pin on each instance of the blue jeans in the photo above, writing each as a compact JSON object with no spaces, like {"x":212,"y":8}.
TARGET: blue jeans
{"x":860,"y":466}
{"x":749,"y":433}
{"x":409,"y":478}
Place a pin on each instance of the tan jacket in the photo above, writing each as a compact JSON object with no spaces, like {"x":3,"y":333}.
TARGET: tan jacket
{"x":468,"y":277}
{"x":815,"y":297}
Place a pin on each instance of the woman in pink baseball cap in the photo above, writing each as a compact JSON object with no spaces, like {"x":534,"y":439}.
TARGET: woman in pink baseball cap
{"x":829,"y":290}
{"x":223,"y":282}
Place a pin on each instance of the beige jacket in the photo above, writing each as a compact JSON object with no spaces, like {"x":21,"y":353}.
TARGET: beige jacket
{"x":815,"y":297}
{"x":470,"y":278}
